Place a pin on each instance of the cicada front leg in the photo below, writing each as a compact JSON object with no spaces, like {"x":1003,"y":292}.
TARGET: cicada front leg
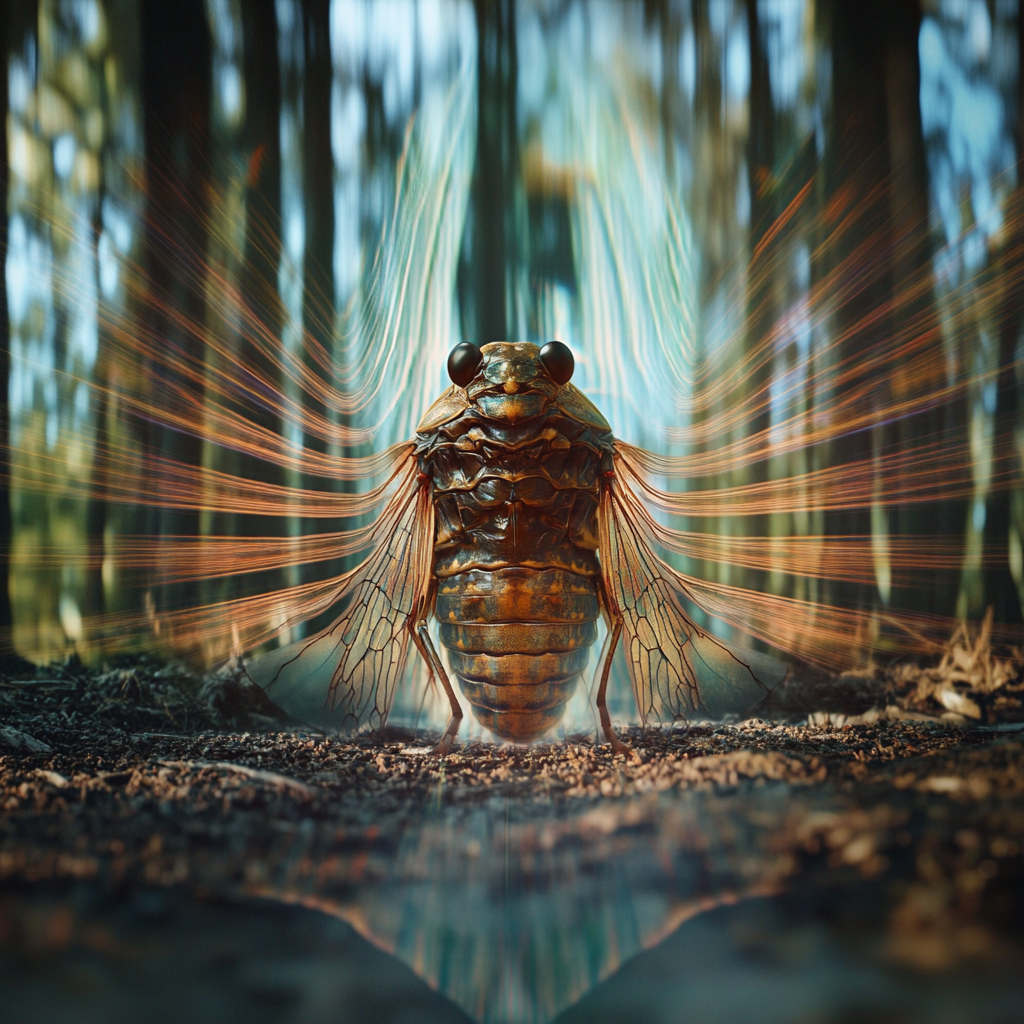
{"x":421,"y":638}
{"x":613,"y":620}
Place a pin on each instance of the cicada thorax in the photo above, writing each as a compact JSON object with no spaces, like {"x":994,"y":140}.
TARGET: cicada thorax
{"x":516,"y":561}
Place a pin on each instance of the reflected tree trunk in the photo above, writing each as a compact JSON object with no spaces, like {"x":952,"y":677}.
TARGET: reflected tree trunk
{"x":176,"y":93}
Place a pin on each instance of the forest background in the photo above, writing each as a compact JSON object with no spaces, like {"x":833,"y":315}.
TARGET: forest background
{"x":848,"y":178}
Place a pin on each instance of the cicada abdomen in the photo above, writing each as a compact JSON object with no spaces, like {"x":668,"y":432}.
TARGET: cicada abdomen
{"x":518,"y":641}
{"x":516,"y":483}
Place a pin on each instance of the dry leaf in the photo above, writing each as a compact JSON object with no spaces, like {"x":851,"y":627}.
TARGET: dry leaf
{"x":956,"y":701}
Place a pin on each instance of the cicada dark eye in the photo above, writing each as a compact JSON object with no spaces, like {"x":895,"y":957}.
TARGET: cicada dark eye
{"x":558,"y":361}
{"x":463,"y":362}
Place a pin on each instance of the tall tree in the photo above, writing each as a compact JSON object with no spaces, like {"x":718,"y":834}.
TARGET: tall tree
{"x":176,"y":93}
{"x":856,"y":169}
{"x":262,"y":254}
{"x":761,"y":136}
{"x":718,"y":159}
{"x":18,"y":21}
{"x":999,"y":587}
{"x":761,"y":297}
{"x":876,"y":172}
{"x":97,"y":509}
{"x":6,"y":617}
{"x":318,"y":299}
{"x":913,"y":304}
{"x":494,"y":219}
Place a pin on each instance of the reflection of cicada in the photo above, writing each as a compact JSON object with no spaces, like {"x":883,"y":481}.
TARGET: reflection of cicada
{"x":509,"y":523}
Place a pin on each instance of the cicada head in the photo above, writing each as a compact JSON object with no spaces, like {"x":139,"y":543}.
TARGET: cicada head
{"x":517,"y":380}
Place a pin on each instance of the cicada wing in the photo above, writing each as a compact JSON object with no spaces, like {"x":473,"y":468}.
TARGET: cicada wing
{"x":731,"y":679}
{"x":345,"y":676}
{"x":677,"y":669}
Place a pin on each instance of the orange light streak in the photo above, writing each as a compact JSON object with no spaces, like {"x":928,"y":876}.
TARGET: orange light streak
{"x":927,"y":473}
{"x":173,"y":485}
{"x":197,"y":387}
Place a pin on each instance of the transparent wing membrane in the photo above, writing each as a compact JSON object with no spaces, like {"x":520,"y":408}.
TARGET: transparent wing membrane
{"x":677,"y":669}
{"x":345,"y":676}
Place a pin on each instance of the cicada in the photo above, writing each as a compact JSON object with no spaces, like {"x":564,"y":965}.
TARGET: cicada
{"x":510,"y":523}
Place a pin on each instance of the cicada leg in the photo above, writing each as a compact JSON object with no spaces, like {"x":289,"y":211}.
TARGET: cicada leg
{"x":614,"y":622}
{"x":421,"y":638}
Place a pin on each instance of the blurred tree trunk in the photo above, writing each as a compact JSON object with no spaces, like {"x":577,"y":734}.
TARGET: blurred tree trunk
{"x":19,"y":20}
{"x":856,"y":171}
{"x":106,"y":521}
{"x":1005,"y":510}
{"x":97,"y":510}
{"x":707,"y":133}
{"x":876,"y":169}
{"x":760,"y":140}
{"x":914,"y":311}
{"x":318,"y":190}
{"x":262,"y":256}
{"x":9,"y":37}
{"x":318,"y":305}
{"x":497,"y":166}
{"x":762,"y":294}
{"x":709,"y":217}
{"x":668,"y":18}
{"x":318,"y":165}
{"x":176,"y":95}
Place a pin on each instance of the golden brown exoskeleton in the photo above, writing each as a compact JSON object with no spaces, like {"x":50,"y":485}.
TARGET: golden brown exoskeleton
{"x":507,"y":522}
{"x":515,"y":470}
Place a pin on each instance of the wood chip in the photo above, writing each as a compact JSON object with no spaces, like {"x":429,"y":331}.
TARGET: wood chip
{"x":19,"y":742}
{"x":256,"y":774}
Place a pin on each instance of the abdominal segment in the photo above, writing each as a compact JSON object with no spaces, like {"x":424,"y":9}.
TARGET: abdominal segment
{"x":518,"y":640}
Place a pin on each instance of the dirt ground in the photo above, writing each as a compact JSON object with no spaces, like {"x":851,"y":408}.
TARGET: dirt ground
{"x":171,"y":847}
